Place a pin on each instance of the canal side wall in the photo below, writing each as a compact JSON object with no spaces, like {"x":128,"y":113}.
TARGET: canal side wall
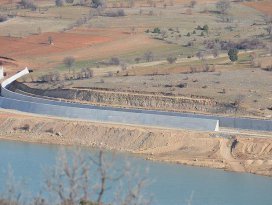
{"x":210,"y":125}
{"x":24,"y":103}
{"x":1,"y":72}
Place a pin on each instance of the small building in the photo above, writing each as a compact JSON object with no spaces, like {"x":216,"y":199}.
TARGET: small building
{"x":1,"y":72}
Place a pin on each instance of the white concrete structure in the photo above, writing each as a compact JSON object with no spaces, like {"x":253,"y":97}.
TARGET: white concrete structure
{"x":24,"y":103}
{"x":191,"y":121}
{"x":1,"y":72}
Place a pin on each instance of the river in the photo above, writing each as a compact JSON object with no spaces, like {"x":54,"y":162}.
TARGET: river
{"x":171,"y":184}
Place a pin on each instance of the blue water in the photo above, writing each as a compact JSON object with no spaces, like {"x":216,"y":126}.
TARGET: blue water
{"x":171,"y":184}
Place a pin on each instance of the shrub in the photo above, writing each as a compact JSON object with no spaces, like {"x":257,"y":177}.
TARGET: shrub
{"x":69,"y":62}
{"x":206,"y":28}
{"x":97,"y":3}
{"x":116,"y":13}
{"x":199,"y":27}
{"x":156,"y":30}
{"x":148,"y":56}
{"x":137,"y":60}
{"x":114,"y":61}
{"x":268,"y":68}
{"x":59,"y":3}
{"x":110,"y":74}
{"x":171,"y":59}
{"x":28,"y":4}
{"x":26,"y":127}
{"x":3,"y":18}
{"x":233,"y":54}
{"x":182,"y":85}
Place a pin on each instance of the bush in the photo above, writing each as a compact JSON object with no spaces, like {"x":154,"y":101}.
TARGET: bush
{"x":3,"y":18}
{"x":148,"y":56}
{"x":171,"y":59}
{"x":199,"y":28}
{"x":59,"y":3}
{"x":268,"y":68}
{"x":28,"y":4}
{"x":233,"y":54}
{"x":26,"y":127}
{"x":156,"y":30}
{"x":137,"y":60}
{"x":97,"y":3}
{"x":182,"y":85}
{"x":69,"y":61}
{"x":114,"y":61}
{"x":206,"y":28}
{"x":116,"y":13}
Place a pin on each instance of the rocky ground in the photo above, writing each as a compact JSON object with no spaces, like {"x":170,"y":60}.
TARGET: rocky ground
{"x":242,"y":153}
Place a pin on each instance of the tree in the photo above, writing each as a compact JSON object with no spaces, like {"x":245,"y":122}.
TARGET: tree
{"x":97,"y":3}
{"x":269,"y":29}
{"x":200,"y":54}
{"x":171,"y":59}
{"x":267,"y":19}
{"x":193,"y":3}
{"x":206,"y":28}
{"x":50,"y":40}
{"x":137,"y":59}
{"x":148,"y":56}
{"x":28,"y":4}
{"x":59,"y":3}
{"x":69,"y":62}
{"x":114,"y":61}
{"x":223,"y":6}
{"x":84,"y":179}
{"x":156,"y":30}
{"x":215,"y":52}
{"x":233,"y":54}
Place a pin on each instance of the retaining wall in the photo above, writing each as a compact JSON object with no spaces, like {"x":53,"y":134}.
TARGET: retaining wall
{"x":24,"y":103}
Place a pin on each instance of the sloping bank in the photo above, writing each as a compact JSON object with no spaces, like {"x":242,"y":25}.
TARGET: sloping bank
{"x":236,"y":153}
{"x":132,"y":100}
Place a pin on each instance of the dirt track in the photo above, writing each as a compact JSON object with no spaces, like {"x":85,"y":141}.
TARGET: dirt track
{"x":199,"y":149}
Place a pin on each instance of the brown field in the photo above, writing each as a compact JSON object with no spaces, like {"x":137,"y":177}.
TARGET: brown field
{"x":36,"y":45}
{"x":263,"y":6}
{"x":83,"y":43}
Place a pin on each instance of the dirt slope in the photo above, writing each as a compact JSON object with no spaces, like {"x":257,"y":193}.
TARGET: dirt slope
{"x":243,"y":154}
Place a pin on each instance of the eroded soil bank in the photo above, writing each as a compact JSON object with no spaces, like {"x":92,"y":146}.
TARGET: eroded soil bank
{"x":154,"y":101}
{"x":240,"y":153}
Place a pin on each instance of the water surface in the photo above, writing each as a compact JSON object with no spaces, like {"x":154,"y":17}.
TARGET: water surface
{"x":171,"y":184}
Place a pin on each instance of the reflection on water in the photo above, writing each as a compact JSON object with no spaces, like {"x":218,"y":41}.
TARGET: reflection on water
{"x":171,"y":184}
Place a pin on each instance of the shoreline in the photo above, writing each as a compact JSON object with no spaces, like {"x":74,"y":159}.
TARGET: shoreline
{"x":185,"y":147}
{"x":192,"y":163}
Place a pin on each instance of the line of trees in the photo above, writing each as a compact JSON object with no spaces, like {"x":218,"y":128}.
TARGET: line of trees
{"x":81,"y":179}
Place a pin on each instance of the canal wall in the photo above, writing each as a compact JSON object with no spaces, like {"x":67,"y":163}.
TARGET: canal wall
{"x":24,"y":103}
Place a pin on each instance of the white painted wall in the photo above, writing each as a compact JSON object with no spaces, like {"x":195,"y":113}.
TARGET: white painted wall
{"x":1,"y":72}
{"x":14,"y":77}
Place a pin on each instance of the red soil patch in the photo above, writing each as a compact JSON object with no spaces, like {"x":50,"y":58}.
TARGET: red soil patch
{"x":37,"y":45}
{"x":263,"y":6}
